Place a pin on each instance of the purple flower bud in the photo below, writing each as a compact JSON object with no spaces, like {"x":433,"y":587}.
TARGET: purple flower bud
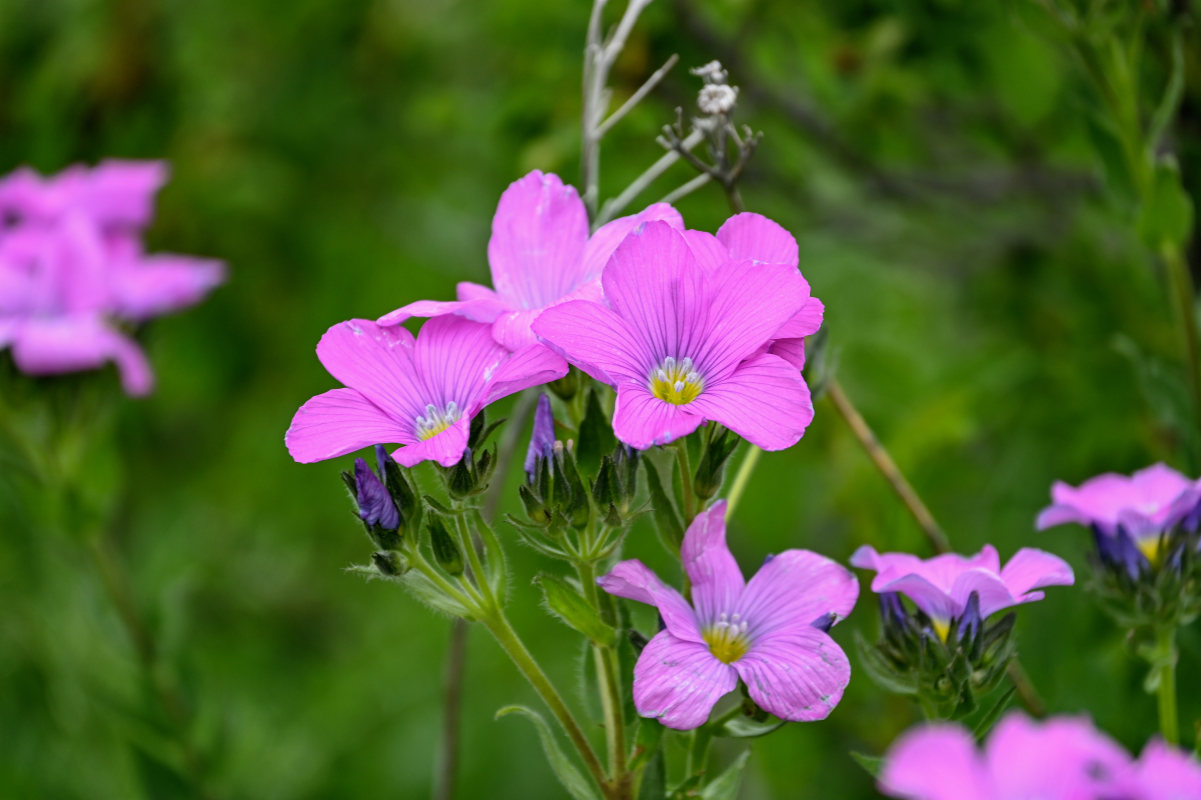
{"x":969,"y":622}
{"x":375,"y":504}
{"x":542,"y":439}
{"x":892,"y":612}
{"x":824,"y":623}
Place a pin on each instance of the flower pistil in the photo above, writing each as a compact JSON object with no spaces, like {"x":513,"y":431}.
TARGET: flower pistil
{"x":676,"y":382}
{"x":436,"y":420}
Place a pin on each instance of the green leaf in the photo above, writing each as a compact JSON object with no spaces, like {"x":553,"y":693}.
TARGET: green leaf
{"x":425,"y":591}
{"x":654,"y":780}
{"x":986,"y":722}
{"x":595,"y":437}
{"x":1166,"y":215}
{"x":646,"y":742}
{"x":741,"y":727}
{"x":568,"y":774}
{"x":725,"y":786}
{"x":871,"y":764}
{"x":564,"y":602}
{"x":667,"y":521}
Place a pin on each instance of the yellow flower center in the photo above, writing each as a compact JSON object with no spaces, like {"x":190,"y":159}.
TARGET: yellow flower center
{"x":436,"y":420}
{"x":727,"y":638}
{"x":942,"y":627}
{"x":1152,"y":548}
{"x":676,"y":382}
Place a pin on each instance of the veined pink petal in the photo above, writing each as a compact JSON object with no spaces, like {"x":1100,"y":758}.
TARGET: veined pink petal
{"x":717,"y":582}
{"x":1166,"y":773}
{"x":596,"y":340}
{"x":446,"y":447}
{"x":765,"y":401}
{"x":530,"y":366}
{"x":512,"y":329}
{"x":936,"y":761}
{"x":456,"y":357}
{"x":634,"y":581}
{"x":655,"y":285}
{"x":791,"y":350}
{"x":1034,"y":569}
{"x":162,"y":283}
{"x":378,"y":363}
{"x":805,"y":322}
{"x":537,"y":244}
{"x":54,"y":345}
{"x":797,"y":673}
{"x":481,"y":309}
{"x":677,"y":682}
{"x":991,"y":590}
{"x":793,"y":590}
{"x":935,"y":602}
{"x":121,"y":192}
{"x":754,"y":237}
{"x":602,"y":243}
{"x":710,"y":254}
{"x":339,"y":422}
{"x":749,"y":304}
{"x":466,"y":291}
{"x":642,"y":420}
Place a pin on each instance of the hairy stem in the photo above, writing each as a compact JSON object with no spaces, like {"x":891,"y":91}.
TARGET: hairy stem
{"x":1165,"y":652}
{"x":608,"y":683}
{"x":742,"y":478}
{"x":689,"y":505}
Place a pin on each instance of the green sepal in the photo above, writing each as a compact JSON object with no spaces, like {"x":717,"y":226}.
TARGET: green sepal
{"x":871,"y":764}
{"x":743,"y":727}
{"x":647,"y":738}
{"x":446,"y":552}
{"x":595,"y":436}
{"x":667,"y":521}
{"x":568,"y":774}
{"x":883,"y":673}
{"x":725,"y":786}
{"x":564,"y":602}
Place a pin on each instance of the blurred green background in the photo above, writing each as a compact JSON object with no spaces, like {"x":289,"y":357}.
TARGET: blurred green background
{"x":992,"y":314}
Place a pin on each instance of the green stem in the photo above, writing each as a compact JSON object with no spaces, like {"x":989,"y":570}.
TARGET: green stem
{"x":498,"y":625}
{"x":742,"y":478}
{"x":1180,"y":283}
{"x":689,"y":504}
{"x":1165,"y":662}
{"x":608,"y":682}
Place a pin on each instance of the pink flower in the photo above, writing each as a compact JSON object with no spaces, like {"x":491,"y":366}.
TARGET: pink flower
{"x":770,"y":631}
{"x":941,"y":587}
{"x":421,"y":392}
{"x":1062,"y":758}
{"x":1148,"y":502}
{"x":540,"y":254}
{"x":750,"y":240}
{"x":71,"y":265}
{"x":682,"y":343}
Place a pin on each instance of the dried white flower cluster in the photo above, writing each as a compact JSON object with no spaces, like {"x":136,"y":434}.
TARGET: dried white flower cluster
{"x":717,"y":98}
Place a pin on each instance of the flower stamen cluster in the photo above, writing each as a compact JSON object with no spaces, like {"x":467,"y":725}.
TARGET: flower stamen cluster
{"x":436,"y":420}
{"x":727,"y":638}
{"x":676,"y":382}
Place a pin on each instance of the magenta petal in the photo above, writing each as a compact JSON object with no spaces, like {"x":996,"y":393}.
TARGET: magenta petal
{"x":642,"y":420}
{"x":594,"y":339}
{"x":121,"y":192}
{"x":754,"y":237}
{"x":530,"y":366}
{"x":710,"y":254}
{"x":749,"y":304}
{"x":1034,"y":569}
{"x":797,"y":674}
{"x":1062,"y":757}
{"x":991,"y":590}
{"x":537,"y":244}
{"x":633,"y":580}
{"x":446,"y":447}
{"x":795,"y":588}
{"x":935,"y":761}
{"x":805,"y":322}
{"x":513,"y":329}
{"x":717,"y":582}
{"x":456,"y":357}
{"x":935,"y":602}
{"x":377,"y":362}
{"x":482,"y":309}
{"x":1054,"y":515}
{"x":56,"y":345}
{"x":765,"y":401}
{"x":161,"y":283}
{"x":791,"y":350}
{"x":1166,"y":773}
{"x":602,"y":243}
{"x":677,"y":682}
{"x":339,"y":422}
{"x":655,"y":285}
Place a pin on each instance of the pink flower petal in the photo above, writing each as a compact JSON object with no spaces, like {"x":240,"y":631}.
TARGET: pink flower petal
{"x":642,"y":420}
{"x":634,"y":581}
{"x":791,"y":350}
{"x":602,"y":243}
{"x":481,"y":309}
{"x":1166,"y":773}
{"x":1034,"y":569}
{"x":991,"y":590}
{"x":934,"y":601}
{"x":446,"y":447}
{"x":710,"y":254}
{"x":765,"y":401}
{"x":717,"y":582}
{"x":805,"y":322}
{"x":339,"y":422}
{"x":754,"y":237}
{"x":537,"y":244}
{"x":530,"y":366}
{"x":54,"y":345}
{"x":596,"y":340}
{"x":936,"y":761}
{"x":378,"y":363}
{"x":794,"y":589}
{"x":161,"y":283}
{"x":797,"y":674}
{"x":456,"y":357}
{"x":678,"y":681}
{"x":1062,"y":757}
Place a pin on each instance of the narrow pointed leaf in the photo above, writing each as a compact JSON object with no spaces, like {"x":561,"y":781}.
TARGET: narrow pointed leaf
{"x":568,"y":774}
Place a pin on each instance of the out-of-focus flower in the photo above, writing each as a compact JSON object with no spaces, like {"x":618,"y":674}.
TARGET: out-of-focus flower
{"x":942,"y":586}
{"x":770,"y":631}
{"x":419,"y":391}
{"x":683,"y":343}
{"x":72,"y":269}
{"x":540,"y":254}
{"x":1130,"y":515}
{"x":750,"y":240}
{"x":1064,"y":758}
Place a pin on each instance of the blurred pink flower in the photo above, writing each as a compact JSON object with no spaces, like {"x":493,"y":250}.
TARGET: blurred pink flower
{"x":421,"y":392}
{"x":942,"y":586}
{"x":540,"y":254}
{"x":770,"y":631}
{"x":1062,"y":758}
{"x":1149,"y":501}
{"x":72,"y":269}
{"x":684,"y":343}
